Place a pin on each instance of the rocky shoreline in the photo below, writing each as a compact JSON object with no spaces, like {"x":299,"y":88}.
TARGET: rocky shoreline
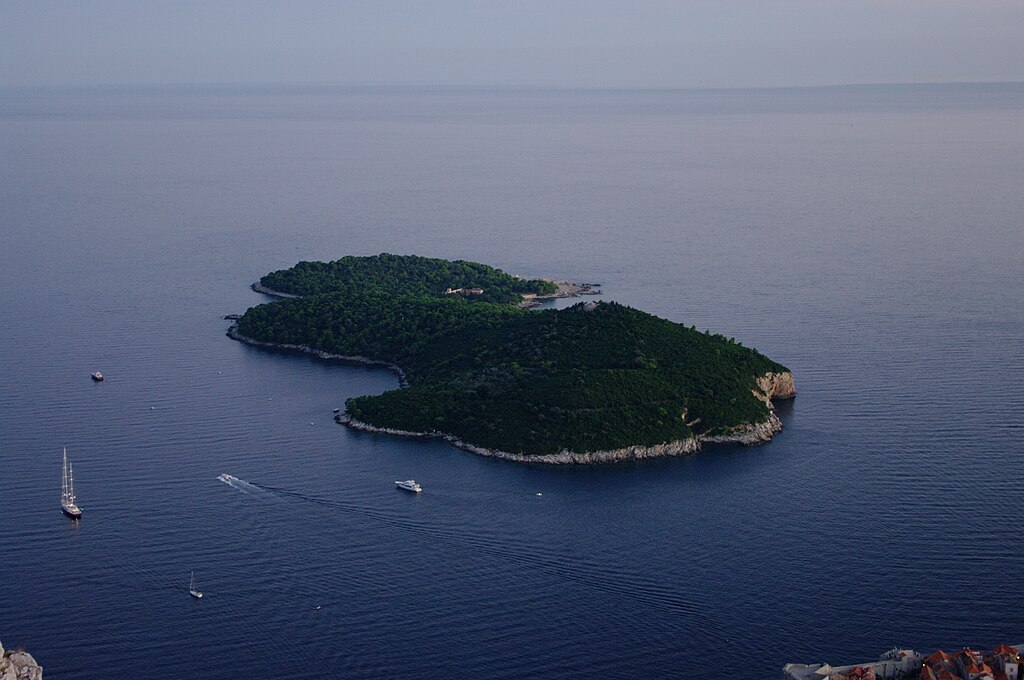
{"x":320,"y":354}
{"x":747,"y":435}
{"x":678,"y":448}
{"x":563,"y":289}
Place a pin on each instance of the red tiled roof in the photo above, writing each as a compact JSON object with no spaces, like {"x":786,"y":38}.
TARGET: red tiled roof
{"x":936,"y":657}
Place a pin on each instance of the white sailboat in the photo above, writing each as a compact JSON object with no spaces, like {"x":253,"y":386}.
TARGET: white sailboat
{"x":67,"y":491}
{"x":192,"y":587}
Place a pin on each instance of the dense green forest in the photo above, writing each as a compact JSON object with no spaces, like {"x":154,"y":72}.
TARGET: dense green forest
{"x":402,"y":274}
{"x":595,"y":376}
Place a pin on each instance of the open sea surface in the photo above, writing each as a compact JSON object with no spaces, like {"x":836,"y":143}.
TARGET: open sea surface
{"x":870,"y":238}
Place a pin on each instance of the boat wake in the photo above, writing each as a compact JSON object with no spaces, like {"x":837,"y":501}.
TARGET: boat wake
{"x":240,"y":484}
{"x":649,"y":591}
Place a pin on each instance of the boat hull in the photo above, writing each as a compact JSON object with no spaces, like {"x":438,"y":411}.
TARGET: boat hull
{"x":73,"y":513}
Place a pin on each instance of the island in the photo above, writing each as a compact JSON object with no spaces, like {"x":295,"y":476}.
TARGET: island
{"x":595,"y":382}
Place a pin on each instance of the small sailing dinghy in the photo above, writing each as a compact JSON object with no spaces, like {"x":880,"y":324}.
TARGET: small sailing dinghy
{"x":67,"y":491}
{"x":192,"y":588}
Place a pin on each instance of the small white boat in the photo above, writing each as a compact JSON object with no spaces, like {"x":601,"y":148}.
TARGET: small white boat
{"x":409,"y":485}
{"x":97,"y":376}
{"x":67,"y":491}
{"x":192,"y":588}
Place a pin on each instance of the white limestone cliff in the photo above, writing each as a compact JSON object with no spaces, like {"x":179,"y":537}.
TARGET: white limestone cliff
{"x":18,"y":665}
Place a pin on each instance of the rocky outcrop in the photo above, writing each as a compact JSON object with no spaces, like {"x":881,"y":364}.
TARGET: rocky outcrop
{"x":775,"y":386}
{"x":18,"y":664}
{"x":749,"y":434}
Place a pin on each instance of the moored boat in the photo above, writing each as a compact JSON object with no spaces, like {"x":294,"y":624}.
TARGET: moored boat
{"x":409,"y":485}
{"x":67,"y":491}
{"x":97,"y":376}
{"x":192,"y":587}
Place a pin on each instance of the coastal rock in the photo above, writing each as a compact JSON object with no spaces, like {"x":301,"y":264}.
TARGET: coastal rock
{"x":563,"y":289}
{"x":775,"y":386}
{"x":747,"y":435}
{"x":750,"y":434}
{"x":677,"y":448}
{"x":18,"y":665}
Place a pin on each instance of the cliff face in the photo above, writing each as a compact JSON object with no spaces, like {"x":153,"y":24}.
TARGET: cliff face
{"x":16,"y":665}
{"x":775,"y":386}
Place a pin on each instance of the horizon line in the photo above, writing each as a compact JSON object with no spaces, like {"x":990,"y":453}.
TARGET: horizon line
{"x":487,"y":86}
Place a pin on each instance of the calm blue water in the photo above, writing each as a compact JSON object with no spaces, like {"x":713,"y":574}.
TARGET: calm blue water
{"x":872,"y":239}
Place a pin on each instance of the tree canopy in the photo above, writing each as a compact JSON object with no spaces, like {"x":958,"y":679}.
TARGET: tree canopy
{"x":595,"y":376}
{"x":402,"y":274}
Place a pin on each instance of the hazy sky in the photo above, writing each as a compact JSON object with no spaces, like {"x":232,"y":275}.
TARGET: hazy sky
{"x":577,"y":43}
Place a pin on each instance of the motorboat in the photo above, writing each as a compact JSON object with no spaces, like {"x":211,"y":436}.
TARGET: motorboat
{"x":409,"y":485}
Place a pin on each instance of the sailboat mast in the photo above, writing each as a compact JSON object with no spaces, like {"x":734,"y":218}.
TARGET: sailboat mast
{"x":64,"y":479}
{"x":71,"y":483}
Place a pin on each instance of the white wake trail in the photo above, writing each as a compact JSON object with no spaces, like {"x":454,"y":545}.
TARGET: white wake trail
{"x":239,"y":484}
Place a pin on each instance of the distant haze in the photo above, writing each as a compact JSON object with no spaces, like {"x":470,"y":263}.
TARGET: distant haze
{"x":546,"y":43}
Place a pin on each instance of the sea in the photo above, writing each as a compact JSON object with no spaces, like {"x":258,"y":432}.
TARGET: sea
{"x":870,"y":238}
